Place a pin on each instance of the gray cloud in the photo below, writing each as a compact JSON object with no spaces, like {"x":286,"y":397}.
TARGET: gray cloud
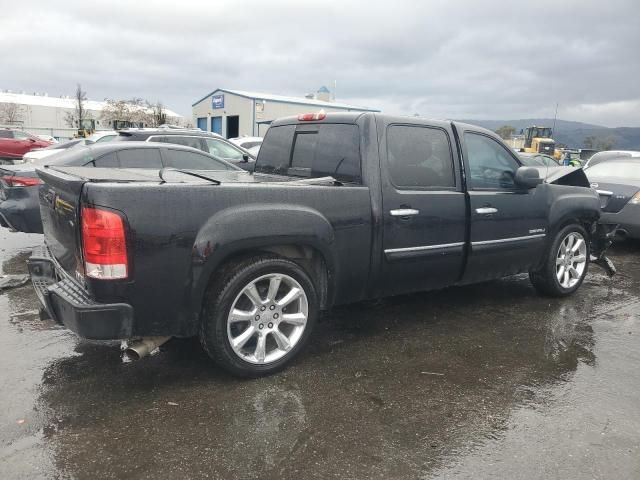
{"x":465,"y":59}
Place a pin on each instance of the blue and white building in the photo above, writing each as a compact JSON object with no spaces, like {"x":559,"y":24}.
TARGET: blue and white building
{"x":236,"y":113}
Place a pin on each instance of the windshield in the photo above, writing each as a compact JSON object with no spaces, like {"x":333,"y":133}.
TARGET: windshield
{"x":616,"y":169}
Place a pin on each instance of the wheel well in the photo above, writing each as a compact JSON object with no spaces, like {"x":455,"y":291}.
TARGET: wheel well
{"x":587,"y":223}
{"x":309,"y":258}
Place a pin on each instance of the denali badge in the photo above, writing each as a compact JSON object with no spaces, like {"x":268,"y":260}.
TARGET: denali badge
{"x":537,"y":230}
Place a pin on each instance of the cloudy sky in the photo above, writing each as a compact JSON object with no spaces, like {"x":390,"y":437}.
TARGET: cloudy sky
{"x":446,"y":59}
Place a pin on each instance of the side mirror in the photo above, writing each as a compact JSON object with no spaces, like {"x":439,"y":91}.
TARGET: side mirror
{"x":245,"y":157}
{"x":527,"y":177}
{"x":32,"y":140}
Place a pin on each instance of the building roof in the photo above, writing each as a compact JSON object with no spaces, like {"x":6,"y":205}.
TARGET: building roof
{"x":59,"y":102}
{"x":286,"y":99}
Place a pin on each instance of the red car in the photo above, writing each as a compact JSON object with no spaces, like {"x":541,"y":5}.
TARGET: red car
{"x":15,"y":143}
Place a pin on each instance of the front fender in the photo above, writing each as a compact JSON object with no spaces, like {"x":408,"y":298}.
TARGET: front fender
{"x":572,"y":203}
{"x":252,"y":227}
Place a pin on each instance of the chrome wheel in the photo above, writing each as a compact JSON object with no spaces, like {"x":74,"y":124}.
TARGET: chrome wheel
{"x":267,"y":318}
{"x":571,"y":260}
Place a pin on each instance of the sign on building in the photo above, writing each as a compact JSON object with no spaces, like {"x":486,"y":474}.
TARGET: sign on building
{"x":217,"y":101}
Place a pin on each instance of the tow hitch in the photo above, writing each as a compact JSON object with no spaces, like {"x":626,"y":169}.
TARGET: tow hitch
{"x":601,"y":239}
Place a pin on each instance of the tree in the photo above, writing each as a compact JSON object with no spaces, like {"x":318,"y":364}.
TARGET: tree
{"x":11,"y":113}
{"x":77,"y":117}
{"x":131,"y":111}
{"x":156,"y":113}
{"x":506,"y":131}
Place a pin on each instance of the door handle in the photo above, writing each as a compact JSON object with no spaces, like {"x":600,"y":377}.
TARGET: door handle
{"x":404,"y":212}
{"x":486,"y":210}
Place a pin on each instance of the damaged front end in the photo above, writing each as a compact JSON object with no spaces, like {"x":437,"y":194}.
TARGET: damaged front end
{"x":602,"y":235}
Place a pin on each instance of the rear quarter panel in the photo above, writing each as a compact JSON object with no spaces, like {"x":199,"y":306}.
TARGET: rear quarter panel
{"x":180,"y":233}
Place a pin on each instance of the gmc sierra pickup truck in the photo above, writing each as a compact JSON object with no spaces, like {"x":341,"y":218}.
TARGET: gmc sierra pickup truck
{"x":341,"y":208}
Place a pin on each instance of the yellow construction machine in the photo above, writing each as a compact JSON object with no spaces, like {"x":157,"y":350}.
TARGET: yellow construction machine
{"x":540,"y":140}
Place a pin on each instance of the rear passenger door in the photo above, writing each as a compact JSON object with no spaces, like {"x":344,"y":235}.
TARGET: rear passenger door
{"x":508,"y":223}
{"x":423,"y":207}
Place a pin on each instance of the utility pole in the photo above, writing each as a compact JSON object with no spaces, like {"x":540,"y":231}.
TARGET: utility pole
{"x":554,"y":119}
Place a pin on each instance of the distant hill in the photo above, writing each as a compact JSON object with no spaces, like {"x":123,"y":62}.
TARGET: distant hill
{"x":571,"y":133}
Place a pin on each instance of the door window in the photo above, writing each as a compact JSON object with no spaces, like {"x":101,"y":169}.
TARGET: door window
{"x":193,"y":161}
{"x":140,"y":158}
{"x":193,"y":142}
{"x":491,"y":166}
{"x":419,"y":157}
{"x":221,"y":149}
{"x":5,"y":134}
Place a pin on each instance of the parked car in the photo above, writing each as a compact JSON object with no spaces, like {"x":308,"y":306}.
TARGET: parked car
{"x":102,"y":136}
{"x":15,"y":143}
{"x":343,"y":207}
{"x":538,"y":159}
{"x":38,"y":154}
{"x":248,"y":143}
{"x":19,"y":208}
{"x":610,"y":155}
{"x":212,"y":143}
{"x":618,"y":184}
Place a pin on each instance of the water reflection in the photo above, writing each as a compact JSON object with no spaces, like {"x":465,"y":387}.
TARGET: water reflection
{"x":388,"y":388}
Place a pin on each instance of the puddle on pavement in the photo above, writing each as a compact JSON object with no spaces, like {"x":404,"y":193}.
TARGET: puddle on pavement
{"x":408,"y":387}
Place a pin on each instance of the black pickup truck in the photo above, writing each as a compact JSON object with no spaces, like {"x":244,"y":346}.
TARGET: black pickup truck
{"x":341,"y":208}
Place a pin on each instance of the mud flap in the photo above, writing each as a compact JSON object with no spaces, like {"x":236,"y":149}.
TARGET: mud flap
{"x":601,"y":239}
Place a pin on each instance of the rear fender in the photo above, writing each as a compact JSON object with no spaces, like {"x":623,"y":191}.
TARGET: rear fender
{"x":253,"y":228}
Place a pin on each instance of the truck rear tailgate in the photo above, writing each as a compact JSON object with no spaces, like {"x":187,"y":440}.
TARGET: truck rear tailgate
{"x":60,"y":198}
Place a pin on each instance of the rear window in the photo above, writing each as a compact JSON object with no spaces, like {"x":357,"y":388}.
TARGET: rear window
{"x":312,"y":151}
{"x":140,"y":158}
{"x":6,"y":134}
{"x":193,"y":161}
{"x":110,"y":160}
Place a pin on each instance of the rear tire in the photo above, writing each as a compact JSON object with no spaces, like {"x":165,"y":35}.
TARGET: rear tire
{"x":258,"y":317}
{"x":566,"y":263}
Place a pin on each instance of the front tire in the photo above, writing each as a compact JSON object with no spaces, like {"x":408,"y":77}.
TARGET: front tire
{"x":259,"y":316}
{"x":566,"y":263}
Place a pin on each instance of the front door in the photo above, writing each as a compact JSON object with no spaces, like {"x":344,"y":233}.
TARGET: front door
{"x":508,"y":224}
{"x":424,"y":207}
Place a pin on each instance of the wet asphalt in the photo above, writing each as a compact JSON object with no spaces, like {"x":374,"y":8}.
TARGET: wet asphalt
{"x":483,"y":381}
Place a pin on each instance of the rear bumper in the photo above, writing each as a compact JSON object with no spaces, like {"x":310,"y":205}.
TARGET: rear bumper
{"x":70,"y":305}
{"x":628,"y":220}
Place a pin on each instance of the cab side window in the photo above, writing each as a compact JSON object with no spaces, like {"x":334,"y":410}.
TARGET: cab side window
{"x":491,"y":166}
{"x":419,"y":157}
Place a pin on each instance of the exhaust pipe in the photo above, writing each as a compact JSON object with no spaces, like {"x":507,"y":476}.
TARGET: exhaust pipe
{"x":143,"y":347}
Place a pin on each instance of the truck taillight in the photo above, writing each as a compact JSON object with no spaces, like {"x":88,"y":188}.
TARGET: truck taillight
{"x":309,"y":117}
{"x":104,"y":244}
{"x":21,"y":181}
